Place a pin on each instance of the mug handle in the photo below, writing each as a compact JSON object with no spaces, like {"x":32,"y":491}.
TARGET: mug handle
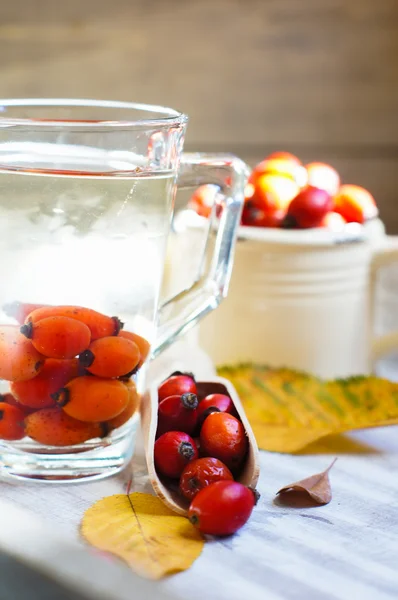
{"x":180,"y":313}
{"x":384,"y":255}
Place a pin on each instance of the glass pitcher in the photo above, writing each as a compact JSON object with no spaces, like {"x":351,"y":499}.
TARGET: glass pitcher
{"x":87,"y":192}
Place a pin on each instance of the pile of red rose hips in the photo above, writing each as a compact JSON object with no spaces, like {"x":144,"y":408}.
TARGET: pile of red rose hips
{"x":202,"y":444}
{"x":282,"y":192}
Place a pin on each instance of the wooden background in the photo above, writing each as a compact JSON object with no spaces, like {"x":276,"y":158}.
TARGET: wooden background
{"x":317,"y":77}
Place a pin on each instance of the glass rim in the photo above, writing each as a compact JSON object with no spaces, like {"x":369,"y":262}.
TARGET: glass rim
{"x":163,"y":116}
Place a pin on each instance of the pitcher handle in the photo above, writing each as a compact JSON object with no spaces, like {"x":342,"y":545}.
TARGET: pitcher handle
{"x":384,"y":255}
{"x":181,"y":312}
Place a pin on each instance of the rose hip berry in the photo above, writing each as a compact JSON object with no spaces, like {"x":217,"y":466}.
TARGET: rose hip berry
{"x":92,"y":398}
{"x":355,"y":204}
{"x":323,"y":176}
{"x":9,"y":399}
{"x":19,"y":360}
{"x":53,"y":427}
{"x":143,"y":344}
{"x":200,"y":473}
{"x":131,"y":408}
{"x":110,"y":357}
{"x":36,"y":392}
{"x":11,"y":422}
{"x":308,"y":208}
{"x":178,"y":413}
{"x":222,"y":507}
{"x":172,"y":452}
{"x":177,"y":385}
{"x":58,"y":337}
{"x":99,"y":325}
{"x":214,"y":403}
{"x":223,"y":436}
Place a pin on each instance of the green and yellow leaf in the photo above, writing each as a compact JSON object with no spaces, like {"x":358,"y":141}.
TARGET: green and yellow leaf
{"x":289,"y":409}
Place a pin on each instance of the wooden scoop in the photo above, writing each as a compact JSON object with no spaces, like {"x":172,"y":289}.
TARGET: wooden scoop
{"x":149,"y":421}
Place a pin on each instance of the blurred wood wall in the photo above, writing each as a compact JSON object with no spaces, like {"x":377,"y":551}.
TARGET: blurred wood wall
{"x":317,"y":77}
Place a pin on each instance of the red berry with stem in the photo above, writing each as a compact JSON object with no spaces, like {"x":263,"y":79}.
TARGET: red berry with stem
{"x":178,"y":413}
{"x":223,"y":436}
{"x":214,"y":403}
{"x":222,"y":507}
{"x":172,"y":452}
{"x":308,"y":208}
{"x":183,"y":383}
{"x":200,"y":473}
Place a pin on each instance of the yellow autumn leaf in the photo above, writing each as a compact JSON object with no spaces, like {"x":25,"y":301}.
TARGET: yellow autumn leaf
{"x":288,"y":409}
{"x":153,"y":540}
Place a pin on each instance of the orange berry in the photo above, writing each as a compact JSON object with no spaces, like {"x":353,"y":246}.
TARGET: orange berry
{"x":53,"y":427}
{"x":324,"y":177}
{"x":202,"y":199}
{"x":143,"y":344}
{"x":11,"y":422}
{"x":222,"y":436}
{"x":19,"y":360}
{"x":131,"y":408}
{"x":20,"y":310}
{"x":110,"y":357}
{"x":100,"y":325}
{"x":274,"y":192}
{"x":280,"y":163}
{"x":36,"y":393}
{"x":58,"y":337}
{"x":282,"y":155}
{"x":92,"y":398}
{"x":355,"y":204}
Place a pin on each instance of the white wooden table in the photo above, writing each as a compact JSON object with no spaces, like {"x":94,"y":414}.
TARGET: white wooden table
{"x":346,"y":550}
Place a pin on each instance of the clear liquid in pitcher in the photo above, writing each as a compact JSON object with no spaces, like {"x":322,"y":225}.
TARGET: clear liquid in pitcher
{"x":86,"y":228}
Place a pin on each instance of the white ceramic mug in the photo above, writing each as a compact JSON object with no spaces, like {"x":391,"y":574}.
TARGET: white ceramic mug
{"x":303,"y":299}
